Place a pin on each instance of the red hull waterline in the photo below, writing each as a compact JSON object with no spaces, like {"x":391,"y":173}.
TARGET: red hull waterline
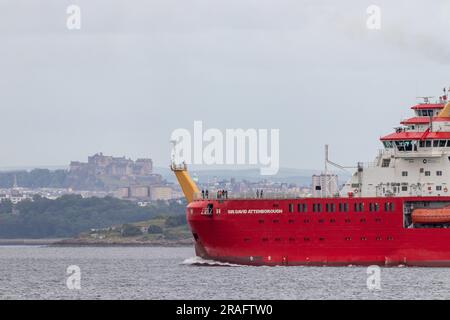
{"x":318,"y":232}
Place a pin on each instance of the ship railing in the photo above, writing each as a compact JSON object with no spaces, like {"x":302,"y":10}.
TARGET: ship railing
{"x":250,"y":195}
{"x":368,"y":164}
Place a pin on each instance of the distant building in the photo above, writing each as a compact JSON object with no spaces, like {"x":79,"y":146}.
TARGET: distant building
{"x":101,"y":165}
{"x":109,"y":173}
{"x":160,"y":193}
{"x":140,"y":192}
{"x":122,"y":193}
{"x":324,"y":185}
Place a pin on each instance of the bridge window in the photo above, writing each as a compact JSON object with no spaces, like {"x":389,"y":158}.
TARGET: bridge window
{"x":388,"y":144}
{"x":428,"y":143}
{"x":404,"y":145}
{"x":435,"y":143}
{"x":442,"y":143}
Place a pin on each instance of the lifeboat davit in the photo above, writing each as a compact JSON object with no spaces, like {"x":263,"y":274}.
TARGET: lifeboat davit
{"x":438,"y":215}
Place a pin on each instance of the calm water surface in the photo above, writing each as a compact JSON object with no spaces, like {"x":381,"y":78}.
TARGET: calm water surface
{"x":33,"y":272}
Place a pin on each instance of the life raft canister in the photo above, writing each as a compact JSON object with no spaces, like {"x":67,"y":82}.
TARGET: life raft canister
{"x":430,"y":216}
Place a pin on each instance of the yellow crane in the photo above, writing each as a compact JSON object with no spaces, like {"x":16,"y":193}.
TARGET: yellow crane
{"x":187,"y":184}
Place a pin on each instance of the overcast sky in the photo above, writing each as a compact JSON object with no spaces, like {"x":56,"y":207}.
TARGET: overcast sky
{"x":138,"y":69}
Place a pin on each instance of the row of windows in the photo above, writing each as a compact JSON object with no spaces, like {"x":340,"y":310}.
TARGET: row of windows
{"x":342,"y":207}
{"x":307,"y":239}
{"x":426,"y":173}
{"x":291,"y":221}
{"x":426,"y":113}
{"x":411,"y":145}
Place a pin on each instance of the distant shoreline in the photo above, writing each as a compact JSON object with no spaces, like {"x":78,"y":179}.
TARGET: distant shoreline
{"x":79,"y":242}
{"x":27,"y":242}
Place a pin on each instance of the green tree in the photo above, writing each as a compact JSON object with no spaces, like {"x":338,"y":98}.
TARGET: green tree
{"x":154,"y":229}
{"x":129,"y":230}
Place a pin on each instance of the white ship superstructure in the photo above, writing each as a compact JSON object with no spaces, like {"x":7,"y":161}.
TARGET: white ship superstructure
{"x":415,"y":160}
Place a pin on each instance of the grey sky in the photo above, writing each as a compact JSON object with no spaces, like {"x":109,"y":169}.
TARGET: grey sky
{"x":137,"y":70}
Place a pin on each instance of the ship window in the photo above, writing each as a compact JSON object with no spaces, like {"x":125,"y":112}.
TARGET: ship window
{"x":317,"y":207}
{"x":359,"y":207}
{"x":435,"y":143}
{"x":385,"y":163}
{"x":404,"y":173}
{"x":428,"y":143}
{"x":388,"y":144}
{"x":291,"y":207}
{"x":442,"y":143}
{"x":427,"y":173}
{"x":448,"y":143}
{"x":389,"y":206}
{"x":343,"y":207}
{"x":374,"y":207}
{"x":302,"y":207}
{"x":439,"y":173}
{"x":404,"y":188}
{"x":330,"y":207}
{"x":438,"y":188}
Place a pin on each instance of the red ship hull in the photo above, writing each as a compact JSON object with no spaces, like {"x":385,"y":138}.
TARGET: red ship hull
{"x":340,"y":231}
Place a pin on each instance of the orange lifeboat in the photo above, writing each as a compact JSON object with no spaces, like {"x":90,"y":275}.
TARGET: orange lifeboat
{"x":438,"y":215}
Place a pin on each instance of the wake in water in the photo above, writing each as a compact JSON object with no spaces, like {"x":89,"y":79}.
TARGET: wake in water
{"x":198,"y":261}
